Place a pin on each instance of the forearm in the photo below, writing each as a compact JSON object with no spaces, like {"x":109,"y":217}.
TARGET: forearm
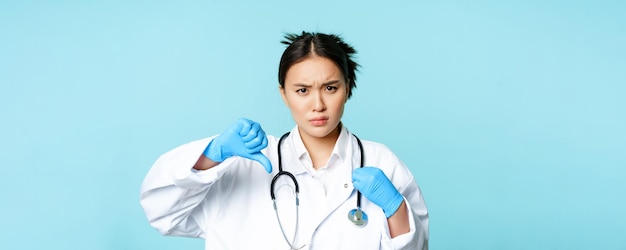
{"x":399,"y":221}
{"x":413,"y":238}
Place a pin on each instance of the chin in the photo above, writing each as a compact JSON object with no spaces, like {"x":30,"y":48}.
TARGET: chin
{"x":319,"y":132}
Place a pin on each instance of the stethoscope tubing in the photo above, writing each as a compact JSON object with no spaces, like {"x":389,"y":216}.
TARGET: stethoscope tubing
{"x":293,"y":178}
{"x":359,"y":220}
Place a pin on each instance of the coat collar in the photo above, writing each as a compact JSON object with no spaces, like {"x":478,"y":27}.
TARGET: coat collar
{"x":302,"y":161}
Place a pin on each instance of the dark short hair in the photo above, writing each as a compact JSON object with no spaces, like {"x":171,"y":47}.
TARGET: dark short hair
{"x":325,"y":45}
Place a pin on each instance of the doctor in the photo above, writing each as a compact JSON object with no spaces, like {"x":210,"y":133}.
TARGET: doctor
{"x":219,"y":188}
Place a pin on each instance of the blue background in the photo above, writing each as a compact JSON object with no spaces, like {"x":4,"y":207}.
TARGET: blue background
{"x":511,"y":114}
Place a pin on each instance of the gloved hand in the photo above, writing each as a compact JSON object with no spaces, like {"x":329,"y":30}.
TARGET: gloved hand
{"x":245,"y":138}
{"x":377,"y":188}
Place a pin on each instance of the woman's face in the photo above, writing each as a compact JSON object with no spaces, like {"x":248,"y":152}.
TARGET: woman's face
{"x":315,"y":91}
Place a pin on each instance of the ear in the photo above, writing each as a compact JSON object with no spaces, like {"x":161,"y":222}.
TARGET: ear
{"x":282,"y":94}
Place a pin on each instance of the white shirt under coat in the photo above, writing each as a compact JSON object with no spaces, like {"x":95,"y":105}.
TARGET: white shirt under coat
{"x":230,"y":206}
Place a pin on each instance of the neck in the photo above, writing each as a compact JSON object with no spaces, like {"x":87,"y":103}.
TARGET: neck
{"x":320,"y":148}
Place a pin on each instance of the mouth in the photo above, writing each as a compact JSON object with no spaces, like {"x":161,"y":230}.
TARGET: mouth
{"x":319,"y":121}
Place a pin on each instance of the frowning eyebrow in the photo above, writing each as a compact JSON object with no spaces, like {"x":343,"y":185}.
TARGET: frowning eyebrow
{"x":302,"y":85}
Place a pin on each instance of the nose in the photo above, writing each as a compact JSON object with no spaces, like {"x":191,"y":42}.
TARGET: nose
{"x":318,"y":102}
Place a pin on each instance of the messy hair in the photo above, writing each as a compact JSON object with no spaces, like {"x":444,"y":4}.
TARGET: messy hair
{"x":329,"y":46}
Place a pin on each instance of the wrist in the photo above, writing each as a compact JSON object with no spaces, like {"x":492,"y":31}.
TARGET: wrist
{"x":204,"y":163}
{"x":393,"y":205}
{"x":213,"y":151}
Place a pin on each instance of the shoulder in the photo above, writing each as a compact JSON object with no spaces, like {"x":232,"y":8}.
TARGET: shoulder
{"x":378,"y":150}
{"x":381,"y":156}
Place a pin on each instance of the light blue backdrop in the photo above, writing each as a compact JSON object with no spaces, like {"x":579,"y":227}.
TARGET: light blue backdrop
{"x":511,"y":114}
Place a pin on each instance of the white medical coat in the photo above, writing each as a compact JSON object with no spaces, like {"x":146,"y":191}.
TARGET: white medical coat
{"x":230,"y":206}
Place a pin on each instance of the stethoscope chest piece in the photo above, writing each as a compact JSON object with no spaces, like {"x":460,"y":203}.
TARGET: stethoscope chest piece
{"x":358,"y":217}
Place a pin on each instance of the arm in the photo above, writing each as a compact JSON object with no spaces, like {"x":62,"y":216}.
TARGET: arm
{"x":407,"y":218}
{"x":173,"y":192}
{"x":374,"y":184}
{"x":404,"y":181}
{"x":418,"y":214}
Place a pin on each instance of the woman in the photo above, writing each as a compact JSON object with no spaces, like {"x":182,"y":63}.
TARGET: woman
{"x":219,"y":188}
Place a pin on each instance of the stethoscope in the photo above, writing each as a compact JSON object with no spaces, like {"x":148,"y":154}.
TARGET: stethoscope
{"x":356,"y":216}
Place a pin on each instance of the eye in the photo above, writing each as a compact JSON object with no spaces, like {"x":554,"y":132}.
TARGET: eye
{"x":301,"y":91}
{"x":331,"y":88}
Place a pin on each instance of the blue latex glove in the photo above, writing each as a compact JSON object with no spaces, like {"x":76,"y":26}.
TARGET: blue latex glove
{"x":377,"y":188}
{"x":245,"y":138}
